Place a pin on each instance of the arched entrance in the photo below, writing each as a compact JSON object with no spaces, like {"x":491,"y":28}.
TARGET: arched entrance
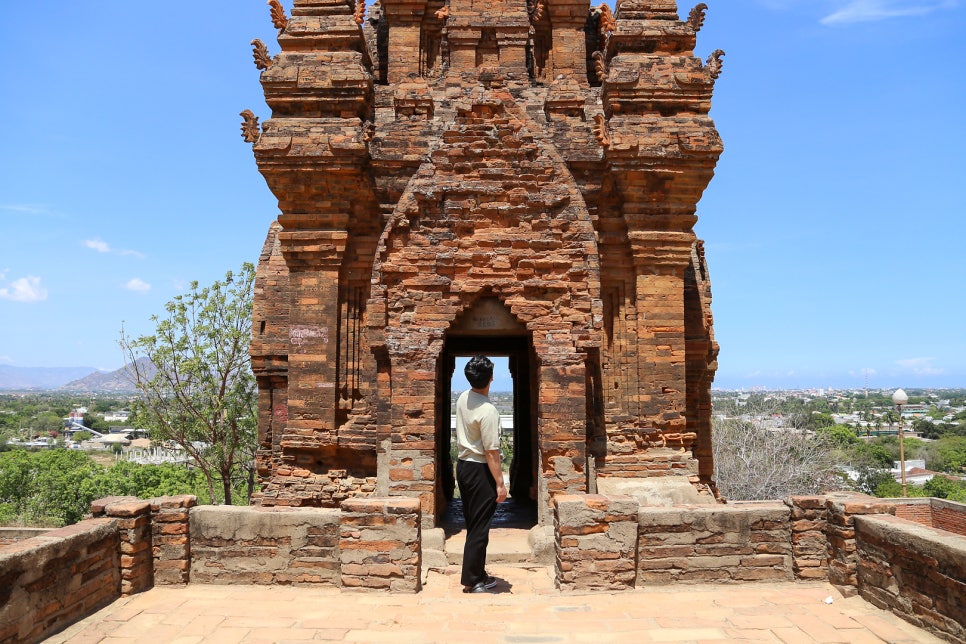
{"x":489,"y":329}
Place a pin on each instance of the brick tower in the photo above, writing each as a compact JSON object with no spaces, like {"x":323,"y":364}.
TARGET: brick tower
{"x":484,"y":176}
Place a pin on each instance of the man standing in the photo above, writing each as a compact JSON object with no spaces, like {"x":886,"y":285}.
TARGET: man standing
{"x":478,"y":472}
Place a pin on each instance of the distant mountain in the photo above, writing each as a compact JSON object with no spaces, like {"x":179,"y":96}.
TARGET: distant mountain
{"x":41,"y":378}
{"x":119,"y":381}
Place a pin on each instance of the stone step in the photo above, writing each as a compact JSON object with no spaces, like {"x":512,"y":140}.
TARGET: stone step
{"x":508,"y":546}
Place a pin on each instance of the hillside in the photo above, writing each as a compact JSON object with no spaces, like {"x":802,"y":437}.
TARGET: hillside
{"x":40,"y":378}
{"x":119,"y":381}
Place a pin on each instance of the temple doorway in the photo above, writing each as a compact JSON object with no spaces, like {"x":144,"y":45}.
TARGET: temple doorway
{"x":518,"y":419}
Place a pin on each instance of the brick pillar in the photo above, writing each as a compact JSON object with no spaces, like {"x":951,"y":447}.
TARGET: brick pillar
{"x":561,"y":426}
{"x":809,"y":542}
{"x":842,"y":509}
{"x":596,"y":542}
{"x":379,"y":544}
{"x":314,"y":258}
{"x":405,"y":19}
{"x":172,"y":544}
{"x":133,"y":518}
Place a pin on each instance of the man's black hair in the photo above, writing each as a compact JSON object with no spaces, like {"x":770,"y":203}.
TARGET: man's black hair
{"x":479,"y":371}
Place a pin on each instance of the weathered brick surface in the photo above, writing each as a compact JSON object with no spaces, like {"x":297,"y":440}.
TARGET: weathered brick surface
{"x":51,"y":581}
{"x":171,"y":547}
{"x":133,"y":520}
{"x":440,"y":159}
{"x":842,"y":509}
{"x":596,"y":542}
{"x":809,"y":523}
{"x":379,"y":544}
{"x":917,"y":572}
{"x":730,"y":543}
{"x":238,"y":545}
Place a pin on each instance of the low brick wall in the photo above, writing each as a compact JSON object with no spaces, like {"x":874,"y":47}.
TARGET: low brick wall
{"x":936,"y":513}
{"x":916,"y":572}
{"x":48,"y":582}
{"x":251,"y":545}
{"x":170,"y":539}
{"x":842,"y":511}
{"x":727,"y":543}
{"x":380,"y":544}
{"x":809,"y":541}
{"x":596,"y":542}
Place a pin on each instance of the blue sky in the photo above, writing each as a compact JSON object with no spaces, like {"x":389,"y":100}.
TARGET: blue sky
{"x":834,"y":227}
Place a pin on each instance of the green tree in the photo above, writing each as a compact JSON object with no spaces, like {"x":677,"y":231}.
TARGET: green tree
{"x":196,"y":385}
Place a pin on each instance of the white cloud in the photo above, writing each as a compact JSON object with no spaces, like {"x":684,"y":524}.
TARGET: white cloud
{"x":3,"y":274}
{"x":6,"y":360}
{"x":872,"y":10}
{"x":138,"y":285}
{"x":25,"y":209}
{"x":25,"y":289}
{"x":97,"y":244}
{"x":102,"y":246}
{"x":921,"y":366}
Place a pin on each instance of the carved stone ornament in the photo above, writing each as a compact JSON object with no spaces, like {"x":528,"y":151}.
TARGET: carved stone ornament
{"x":443,"y":13}
{"x":600,"y":130}
{"x":696,"y":19}
{"x":260,"y":54}
{"x":279,"y":20}
{"x":249,"y":127}
{"x":715,"y":64}
{"x":600,"y":64}
{"x":607,"y":21}
{"x":359,"y":14}
{"x":535,"y":9}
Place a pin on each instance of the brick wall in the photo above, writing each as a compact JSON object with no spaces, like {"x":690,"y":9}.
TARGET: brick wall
{"x":726,"y":543}
{"x":917,"y":510}
{"x":936,"y":513}
{"x":949,"y":516}
{"x":809,"y":541}
{"x":379,"y":544}
{"x":842,"y":509}
{"x":247,"y":545}
{"x":171,"y":545}
{"x":596,"y":542}
{"x":50,"y":581}
{"x":916,"y":572}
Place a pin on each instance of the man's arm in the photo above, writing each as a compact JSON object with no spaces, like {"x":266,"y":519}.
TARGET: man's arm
{"x":493,"y":462}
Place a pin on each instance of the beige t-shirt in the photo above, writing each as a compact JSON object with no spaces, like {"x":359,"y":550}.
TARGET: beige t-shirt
{"x":477,"y":426}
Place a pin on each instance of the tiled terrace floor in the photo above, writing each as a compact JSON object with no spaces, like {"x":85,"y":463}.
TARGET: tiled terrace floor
{"x":525,"y":609}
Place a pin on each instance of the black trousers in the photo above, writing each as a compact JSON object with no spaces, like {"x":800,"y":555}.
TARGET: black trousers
{"x":478,"y":491}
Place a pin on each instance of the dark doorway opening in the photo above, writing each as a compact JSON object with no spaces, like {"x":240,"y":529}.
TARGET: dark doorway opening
{"x":520,"y":509}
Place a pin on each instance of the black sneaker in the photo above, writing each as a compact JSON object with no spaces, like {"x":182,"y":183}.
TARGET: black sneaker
{"x":489,"y":582}
{"x":480,"y":587}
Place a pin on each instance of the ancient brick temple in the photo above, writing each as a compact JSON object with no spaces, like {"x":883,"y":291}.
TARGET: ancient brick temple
{"x":512,"y":177}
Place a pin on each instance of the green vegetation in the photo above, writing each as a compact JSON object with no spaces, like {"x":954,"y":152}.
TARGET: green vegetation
{"x":55,"y":487}
{"x":859,"y":431}
{"x":196,"y":386}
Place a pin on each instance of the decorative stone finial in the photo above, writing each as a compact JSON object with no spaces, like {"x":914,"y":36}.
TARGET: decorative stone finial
{"x":359,"y":14}
{"x":249,"y":128}
{"x":715,"y":64}
{"x":279,"y":20}
{"x":600,"y":64}
{"x":600,"y":130}
{"x":607,"y":21}
{"x":260,"y":54}
{"x":443,"y":13}
{"x":696,"y":19}
{"x":535,"y":9}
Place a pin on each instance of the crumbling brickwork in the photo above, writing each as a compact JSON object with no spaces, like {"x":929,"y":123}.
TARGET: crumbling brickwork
{"x":518,"y":177}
